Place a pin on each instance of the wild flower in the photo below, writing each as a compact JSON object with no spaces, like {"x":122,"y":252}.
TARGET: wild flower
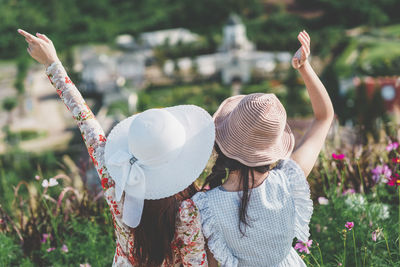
{"x":37,"y":177}
{"x":64,"y":248}
{"x":50,"y":249}
{"x":349,"y":225}
{"x":394,"y":180}
{"x":396,"y":160}
{"x":50,"y":183}
{"x":356,"y":201}
{"x":1,"y":221}
{"x":392,"y":146}
{"x":45,"y":237}
{"x":85,"y":265}
{"x":380,"y":171}
{"x":323,"y":201}
{"x":303,"y":246}
{"x":376,"y":234}
{"x":348,"y":191}
{"x":338,"y":156}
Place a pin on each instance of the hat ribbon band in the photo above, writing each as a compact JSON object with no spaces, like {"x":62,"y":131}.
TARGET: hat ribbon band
{"x":132,"y":180}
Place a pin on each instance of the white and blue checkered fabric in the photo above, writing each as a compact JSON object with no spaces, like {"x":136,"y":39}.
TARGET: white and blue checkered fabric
{"x":279,"y":210}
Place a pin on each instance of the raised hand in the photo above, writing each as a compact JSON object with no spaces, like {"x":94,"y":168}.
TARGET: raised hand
{"x":300,"y":57}
{"x":40,"y":48}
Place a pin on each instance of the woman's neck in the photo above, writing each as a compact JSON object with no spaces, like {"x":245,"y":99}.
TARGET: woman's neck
{"x":232,"y":183}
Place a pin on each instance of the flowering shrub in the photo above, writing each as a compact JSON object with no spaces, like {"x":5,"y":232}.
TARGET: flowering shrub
{"x":55,"y":221}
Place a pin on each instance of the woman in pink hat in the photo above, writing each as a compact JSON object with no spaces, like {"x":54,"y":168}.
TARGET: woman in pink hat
{"x":259,"y":198}
{"x":147,"y":168}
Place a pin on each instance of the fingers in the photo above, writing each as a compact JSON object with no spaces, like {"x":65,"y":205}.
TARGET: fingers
{"x":302,"y":40}
{"x":28,"y":37}
{"x":43,"y":37}
{"x":307,"y":36}
{"x":304,"y":53}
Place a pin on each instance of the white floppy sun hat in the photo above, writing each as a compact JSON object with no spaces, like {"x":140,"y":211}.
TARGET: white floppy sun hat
{"x":156,"y":154}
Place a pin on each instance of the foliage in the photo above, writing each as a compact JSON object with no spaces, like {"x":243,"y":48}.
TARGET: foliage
{"x":10,"y":253}
{"x":84,"y":225}
{"x":278,"y":31}
{"x":22,"y":70}
{"x":352,"y":193}
{"x":68,"y":214}
{"x":9,"y":103}
{"x":354,"y":13}
{"x":207,"y":95}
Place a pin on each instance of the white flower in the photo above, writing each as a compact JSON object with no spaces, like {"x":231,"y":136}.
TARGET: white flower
{"x":64,"y":248}
{"x":355,"y":201}
{"x":323,"y":201}
{"x":50,"y":183}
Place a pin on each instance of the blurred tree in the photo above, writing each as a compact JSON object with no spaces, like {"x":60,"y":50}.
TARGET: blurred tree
{"x":8,"y":105}
{"x":354,"y":13}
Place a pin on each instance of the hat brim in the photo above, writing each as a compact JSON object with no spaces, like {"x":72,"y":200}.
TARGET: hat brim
{"x":178,"y":174}
{"x":281,"y":150}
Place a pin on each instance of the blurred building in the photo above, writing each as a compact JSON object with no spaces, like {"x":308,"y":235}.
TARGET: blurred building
{"x":167,"y":37}
{"x":105,"y":71}
{"x":235,"y":60}
{"x":385,"y":87}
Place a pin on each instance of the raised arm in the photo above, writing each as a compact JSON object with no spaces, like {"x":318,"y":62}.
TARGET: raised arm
{"x":42,"y":49}
{"x":306,"y":152}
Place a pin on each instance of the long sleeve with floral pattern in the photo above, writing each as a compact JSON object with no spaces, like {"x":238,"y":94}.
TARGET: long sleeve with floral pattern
{"x":189,"y":243}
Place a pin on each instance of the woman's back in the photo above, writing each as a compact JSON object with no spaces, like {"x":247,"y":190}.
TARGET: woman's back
{"x":279,"y":210}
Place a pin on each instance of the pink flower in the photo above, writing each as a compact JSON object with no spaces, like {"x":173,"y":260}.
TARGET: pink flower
{"x":348,"y":191}
{"x":303,"y":246}
{"x":50,"y":249}
{"x":374,"y":236}
{"x":45,"y":237}
{"x":394,"y":180}
{"x":396,"y":160}
{"x":349,"y":225}
{"x":380,"y":171}
{"x":392,"y":146}
{"x":1,"y":221}
{"x":338,"y":156}
{"x":323,"y":201}
{"x":37,"y":177}
{"x":64,"y":248}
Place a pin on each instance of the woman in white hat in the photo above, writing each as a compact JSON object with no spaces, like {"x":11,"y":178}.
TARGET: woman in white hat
{"x":147,"y":167}
{"x":253,"y":212}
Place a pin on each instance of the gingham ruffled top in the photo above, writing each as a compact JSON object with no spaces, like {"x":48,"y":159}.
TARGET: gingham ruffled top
{"x":188,"y":245}
{"x":279,"y":210}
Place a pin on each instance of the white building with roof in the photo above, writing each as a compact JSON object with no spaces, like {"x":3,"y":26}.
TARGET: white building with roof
{"x":235,"y":60}
{"x":170,"y":37}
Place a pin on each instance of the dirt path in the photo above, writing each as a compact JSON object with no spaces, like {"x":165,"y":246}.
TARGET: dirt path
{"x":45,"y":112}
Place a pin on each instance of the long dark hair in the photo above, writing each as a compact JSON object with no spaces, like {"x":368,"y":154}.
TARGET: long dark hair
{"x":156,"y":231}
{"x":221,"y":169}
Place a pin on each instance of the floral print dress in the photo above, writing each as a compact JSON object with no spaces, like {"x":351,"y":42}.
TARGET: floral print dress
{"x":188,"y":244}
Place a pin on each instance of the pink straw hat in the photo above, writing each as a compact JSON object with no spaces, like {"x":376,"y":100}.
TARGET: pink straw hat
{"x":252,"y":129}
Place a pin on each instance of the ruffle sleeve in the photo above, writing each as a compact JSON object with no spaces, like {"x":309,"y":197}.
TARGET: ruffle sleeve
{"x":215,"y":240}
{"x":300,"y":191}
